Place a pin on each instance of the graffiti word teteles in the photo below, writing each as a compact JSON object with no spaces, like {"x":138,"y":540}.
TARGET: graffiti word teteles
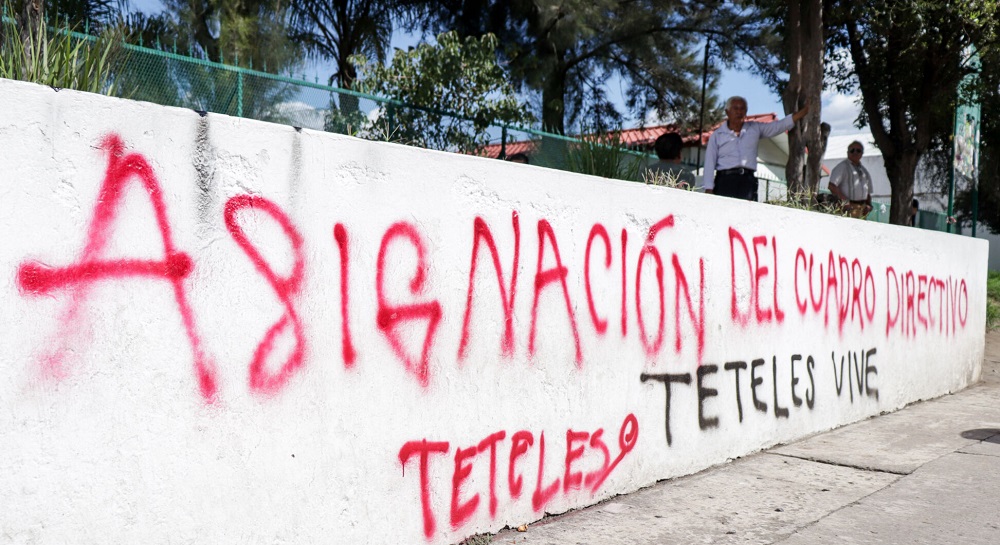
{"x":586,"y":465}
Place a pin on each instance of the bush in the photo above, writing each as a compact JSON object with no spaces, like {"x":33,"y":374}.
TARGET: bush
{"x":59,"y":57}
{"x":992,"y":300}
{"x":605,"y":154}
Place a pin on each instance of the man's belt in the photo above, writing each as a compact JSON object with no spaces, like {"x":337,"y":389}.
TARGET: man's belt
{"x":738,"y":170}
{"x":862,"y":201}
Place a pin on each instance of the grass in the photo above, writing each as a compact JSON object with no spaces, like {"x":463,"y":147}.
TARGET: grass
{"x":650,"y":177}
{"x":993,"y":300}
{"x":805,"y":201}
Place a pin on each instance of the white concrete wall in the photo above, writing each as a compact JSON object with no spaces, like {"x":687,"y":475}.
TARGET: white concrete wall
{"x":173,"y":364}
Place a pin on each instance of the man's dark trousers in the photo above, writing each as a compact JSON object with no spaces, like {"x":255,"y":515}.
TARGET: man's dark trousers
{"x":739,"y":185}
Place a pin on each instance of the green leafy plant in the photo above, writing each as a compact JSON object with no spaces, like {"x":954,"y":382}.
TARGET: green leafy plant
{"x":605,"y":154}
{"x":348,"y":122}
{"x":457,"y":88}
{"x":59,"y":57}
{"x":992,"y":300}
{"x":992,"y":314}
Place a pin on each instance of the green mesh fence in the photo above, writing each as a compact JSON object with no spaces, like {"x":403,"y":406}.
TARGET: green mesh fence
{"x":173,"y":79}
{"x":933,"y":221}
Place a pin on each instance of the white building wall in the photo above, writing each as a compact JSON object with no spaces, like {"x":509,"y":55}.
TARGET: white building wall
{"x":220,"y":331}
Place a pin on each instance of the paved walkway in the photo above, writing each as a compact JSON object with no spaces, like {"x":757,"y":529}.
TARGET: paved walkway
{"x":927,"y":474}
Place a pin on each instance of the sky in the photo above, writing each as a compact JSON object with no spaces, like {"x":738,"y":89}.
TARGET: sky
{"x":839,"y":110}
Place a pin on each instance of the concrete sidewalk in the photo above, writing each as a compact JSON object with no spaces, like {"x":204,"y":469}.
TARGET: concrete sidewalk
{"x":928,"y":474}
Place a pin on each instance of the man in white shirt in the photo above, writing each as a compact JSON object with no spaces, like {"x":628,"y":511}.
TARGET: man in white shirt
{"x":851,"y":182}
{"x":731,"y":154}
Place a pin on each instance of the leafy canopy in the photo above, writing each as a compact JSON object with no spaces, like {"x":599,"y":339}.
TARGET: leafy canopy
{"x":455,"y":75}
{"x":906,"y":57}
{"x":339,"y":30}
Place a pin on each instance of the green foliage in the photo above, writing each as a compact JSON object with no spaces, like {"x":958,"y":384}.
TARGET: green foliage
{"x":992,"y":314}
{"x":807,"y":201}
{"x":76,"y":13}
{"x":199,"y":86}
{"x":993,"y":285}
{"x":905,"y":56}
{"x":605,"y":154}
{"x":992,"y":300}
{"x":58,"y":58}
{"x":460,"y":76}
{"x":238,"y":32}
{"x":564,"y":51}
{"x":344,"y":117}
{"x":988,"y":91}
{"x":244,"y":33}
{"x":339,"y":30}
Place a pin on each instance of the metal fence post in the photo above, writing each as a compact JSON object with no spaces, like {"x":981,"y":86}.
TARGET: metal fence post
{"x":239,"y":93}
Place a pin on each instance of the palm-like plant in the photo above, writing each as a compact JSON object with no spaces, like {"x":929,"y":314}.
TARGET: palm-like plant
{"x":32,"y":51}
{"x":340,"y":30}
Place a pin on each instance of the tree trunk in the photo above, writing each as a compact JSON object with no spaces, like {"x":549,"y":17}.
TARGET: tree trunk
{"x":203,"y":13}
{"x":819,"y":135}
{"x":31,"y":20}
{"x":553,"y":153}
{"x":807,"y":140}
{"x":795,"y":167}
{"x":346,"y":76}
{"x":553,"y":103}
{"x":901,"y":169}
{"x":790,"y":99}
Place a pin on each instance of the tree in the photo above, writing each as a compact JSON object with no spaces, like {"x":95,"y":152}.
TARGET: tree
{"x":247,"y":33}
{"x":340,"y":30}
{"x":988,"y":94}
{"x":794,"y":67}
{"x":805,"y":45}
{"x":905,"y":56}
{"x":236,"y":31}
{"x":564,"y":50}
{"x":460,"y":76}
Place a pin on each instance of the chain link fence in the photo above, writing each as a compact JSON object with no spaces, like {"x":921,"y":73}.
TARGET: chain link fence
{"x":173,"y":79}
{"x":163,"y":76}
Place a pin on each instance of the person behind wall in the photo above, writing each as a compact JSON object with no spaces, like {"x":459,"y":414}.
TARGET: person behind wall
{"x":914,"y":208}
{"x":851,"y":182}
{"x":731,"y":154}
{"x":668,"y":150}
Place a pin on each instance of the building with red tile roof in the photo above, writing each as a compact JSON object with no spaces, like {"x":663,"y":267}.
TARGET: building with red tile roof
{"x":639,"y":139}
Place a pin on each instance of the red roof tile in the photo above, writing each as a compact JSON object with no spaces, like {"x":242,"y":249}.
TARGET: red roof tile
{"x":642,"y":138}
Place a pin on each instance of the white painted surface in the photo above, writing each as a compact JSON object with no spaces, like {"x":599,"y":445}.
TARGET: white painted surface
{"x":122,"y":446}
